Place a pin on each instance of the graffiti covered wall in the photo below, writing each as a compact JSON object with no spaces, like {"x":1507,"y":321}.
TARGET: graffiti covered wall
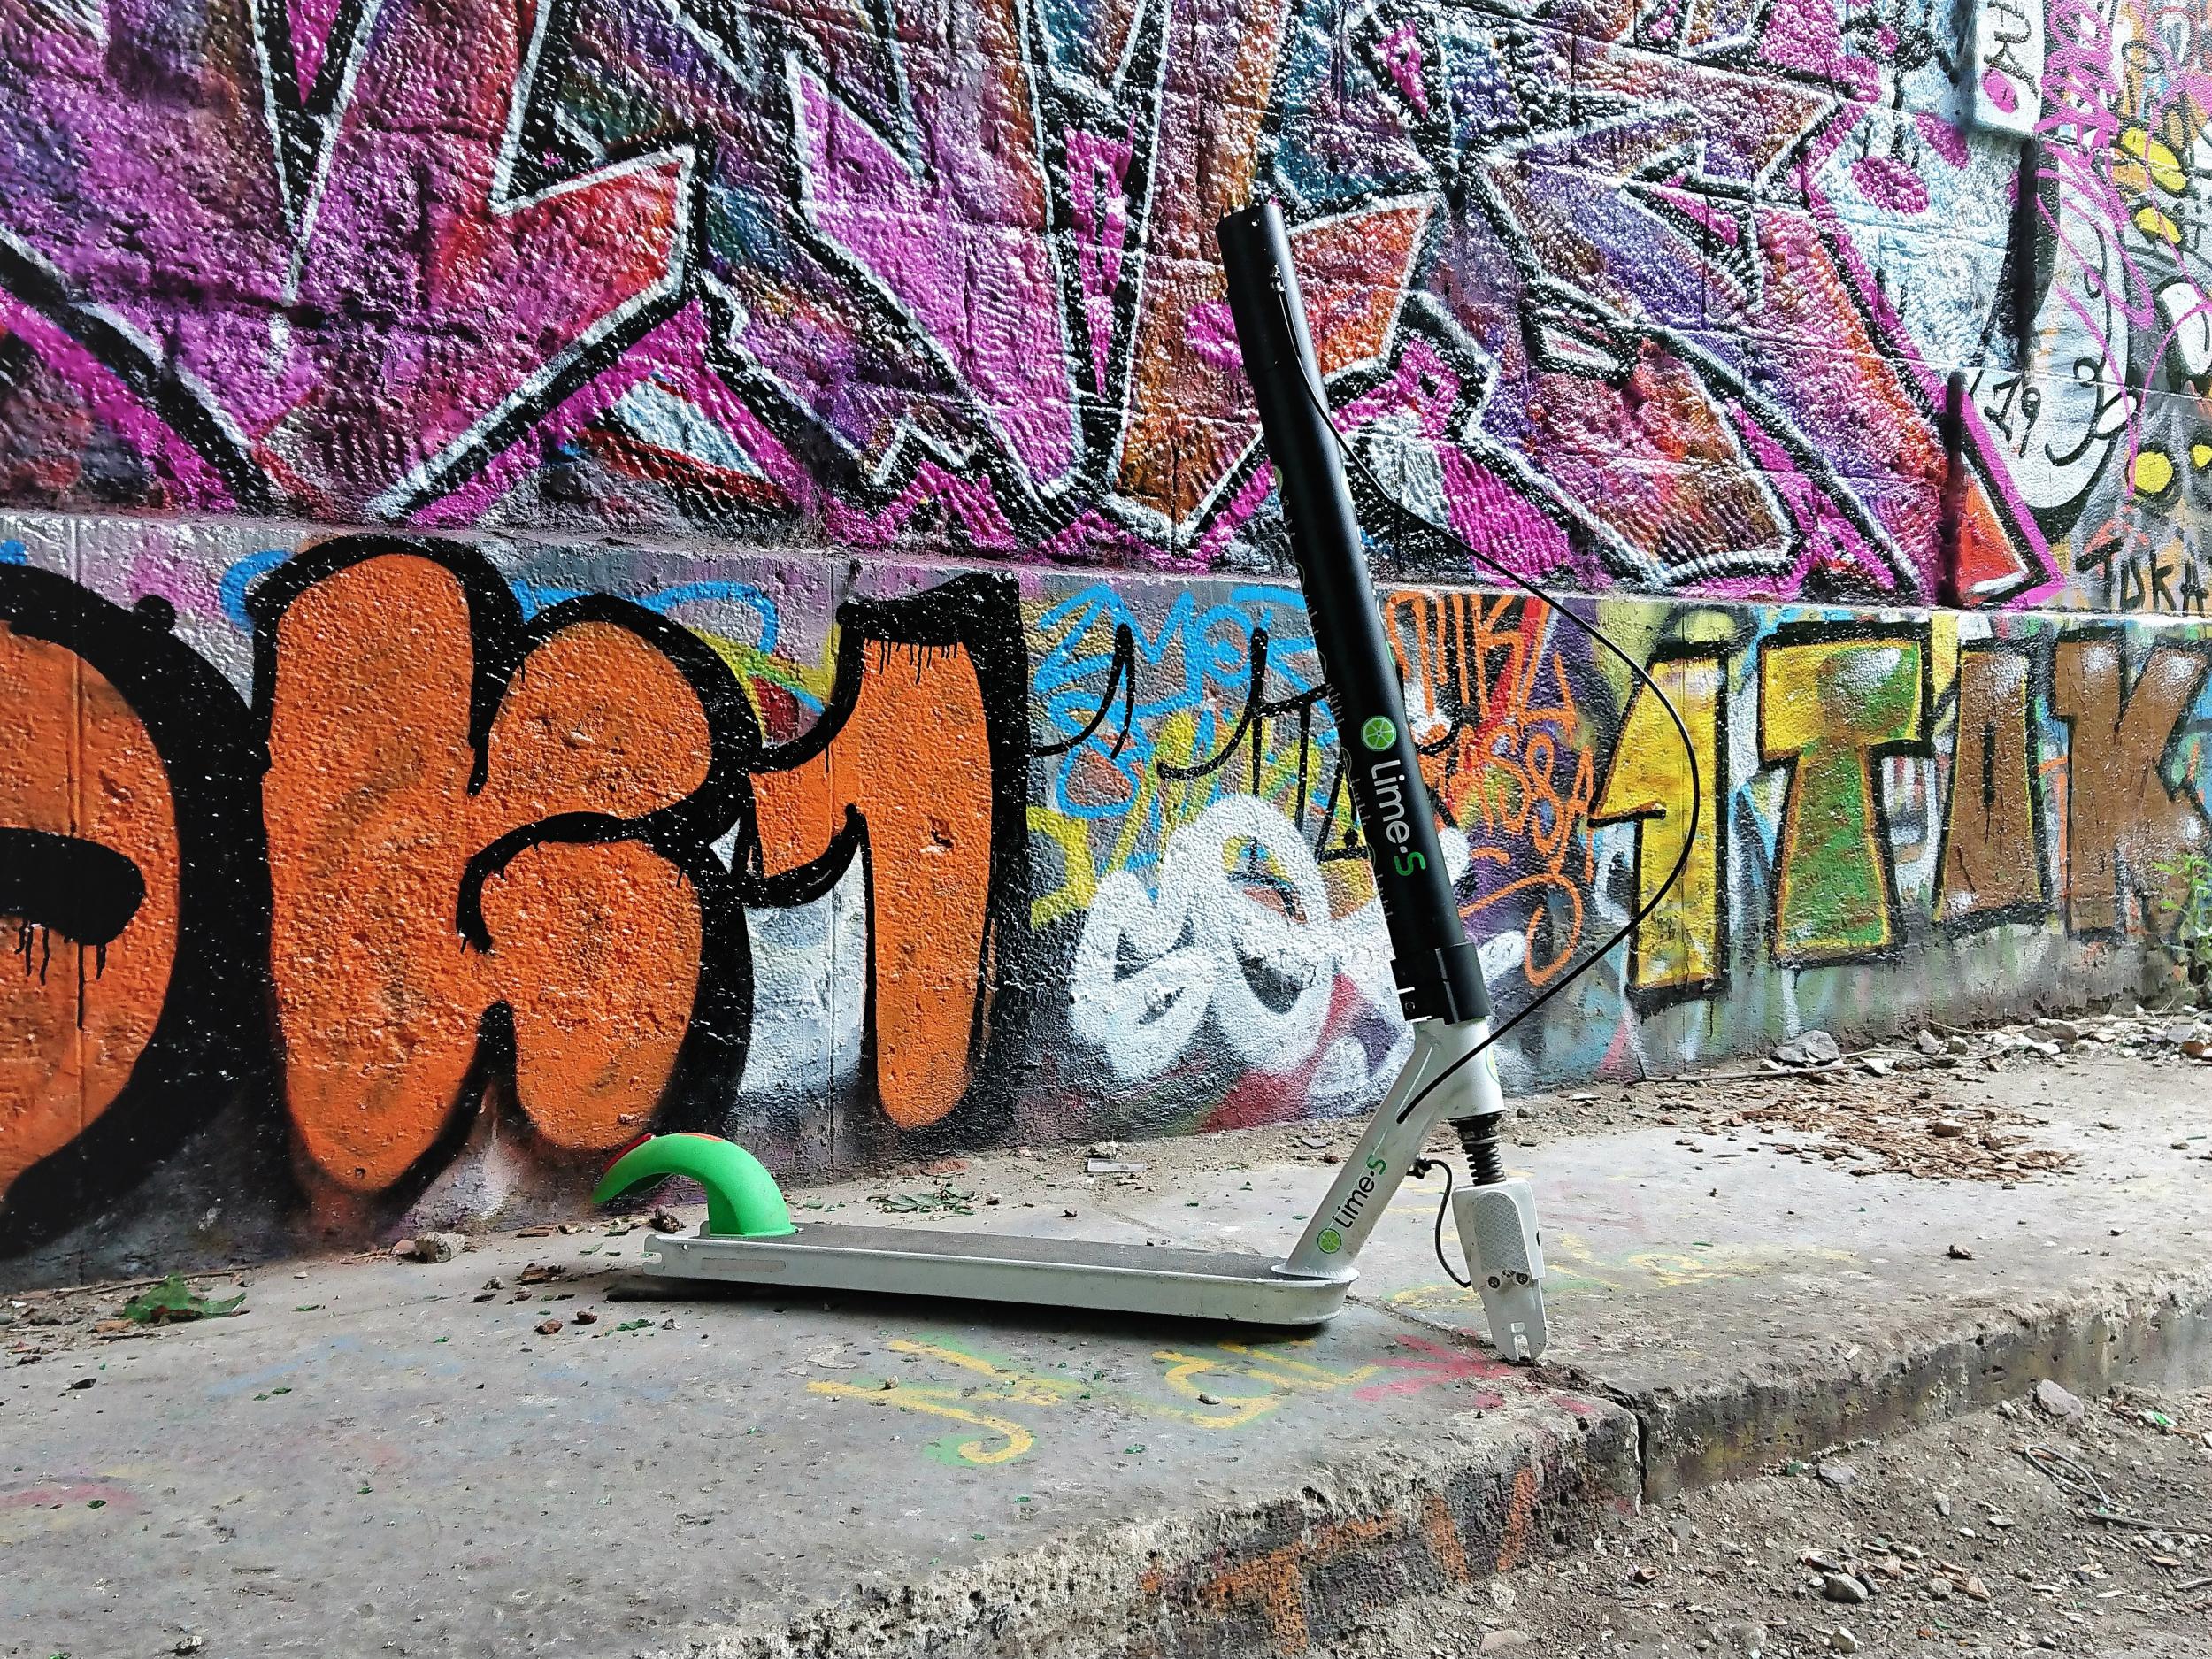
{"x":578,"y":565}
{"x":371,"y":876}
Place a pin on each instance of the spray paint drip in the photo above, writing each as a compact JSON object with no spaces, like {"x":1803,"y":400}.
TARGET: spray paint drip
{"x":64,"y":884}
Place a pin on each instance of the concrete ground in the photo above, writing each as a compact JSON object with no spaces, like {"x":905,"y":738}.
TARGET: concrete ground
{"x":528,"y":1450}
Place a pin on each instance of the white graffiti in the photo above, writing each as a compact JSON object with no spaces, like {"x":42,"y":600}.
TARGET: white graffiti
{"x":2005,"y":70}
{"x":1240,"y":930}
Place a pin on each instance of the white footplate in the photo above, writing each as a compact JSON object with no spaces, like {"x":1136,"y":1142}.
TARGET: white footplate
{"x":1240,"y":1288}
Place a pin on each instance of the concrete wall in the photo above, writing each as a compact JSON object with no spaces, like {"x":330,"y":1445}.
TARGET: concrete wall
{"x":826,"y":666}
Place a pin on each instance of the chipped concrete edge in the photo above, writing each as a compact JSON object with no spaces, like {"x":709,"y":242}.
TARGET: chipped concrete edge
{"x":1270,"y":1575}
{"x":2154,"y":1329}
{"x":1275,"y":1575}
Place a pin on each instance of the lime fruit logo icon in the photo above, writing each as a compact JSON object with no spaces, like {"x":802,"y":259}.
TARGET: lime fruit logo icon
{"x":1331,"y":1241}
{"x":1378,"y":733}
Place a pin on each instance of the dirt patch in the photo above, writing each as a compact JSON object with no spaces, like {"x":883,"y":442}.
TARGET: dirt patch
{"x":2009,"y":1531}
{"x":1898,"y":1131}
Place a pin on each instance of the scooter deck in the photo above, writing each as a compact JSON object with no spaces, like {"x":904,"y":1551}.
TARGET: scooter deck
{"x":1237,"y":1287}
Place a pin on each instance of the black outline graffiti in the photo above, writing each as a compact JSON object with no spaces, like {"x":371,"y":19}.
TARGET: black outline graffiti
{"x":2129,"y":671}
{"x":1649,"y":999}
{"x":980,"y":614}
{"x":1921,"y":745}
{"x":209,"y":1051}
{"x":2036,"y":667}
{"x":215,"y":1044}
{"x":710,"y":1057}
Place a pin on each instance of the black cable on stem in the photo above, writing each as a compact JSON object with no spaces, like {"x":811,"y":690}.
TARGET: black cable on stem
{"x":1689,"y":749}
{"x":1420,"y":1173}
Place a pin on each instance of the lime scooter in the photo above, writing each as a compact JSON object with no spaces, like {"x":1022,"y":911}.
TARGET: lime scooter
{"x":749,"y":1237}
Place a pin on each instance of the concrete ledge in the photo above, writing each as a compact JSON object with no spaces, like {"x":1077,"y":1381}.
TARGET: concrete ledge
{"x":544,"y":1467}
{"x":2156,"y":1330}
{"x":1268,"y":1577}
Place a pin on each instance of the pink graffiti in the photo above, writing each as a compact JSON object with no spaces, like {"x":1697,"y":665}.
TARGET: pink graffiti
{"x":1098,"y":175}
{"x":465,"y":301}
{"x":1436,"y":1366}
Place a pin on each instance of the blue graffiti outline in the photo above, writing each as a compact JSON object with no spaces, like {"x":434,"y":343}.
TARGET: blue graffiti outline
{"x":1213,"y":650}
{"x":241,"y":577}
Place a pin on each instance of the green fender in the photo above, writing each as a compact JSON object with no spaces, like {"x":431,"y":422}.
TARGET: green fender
{"x":743,"y":1201}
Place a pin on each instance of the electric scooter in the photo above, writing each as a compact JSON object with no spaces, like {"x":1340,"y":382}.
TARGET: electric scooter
{"x":749,"y":1237}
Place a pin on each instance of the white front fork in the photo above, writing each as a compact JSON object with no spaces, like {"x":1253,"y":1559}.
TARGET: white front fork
{"x":1497,"y":1223}
{"x":1393,"y":1140}
{"x":1505,"y":1258}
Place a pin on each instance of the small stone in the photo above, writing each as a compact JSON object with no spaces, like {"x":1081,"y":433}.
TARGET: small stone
{"x":189,"y":1644}
{"x":1928,"y":1043}
{"x":1975,"y":1588}
{"x":2054,"y":1400}
{"x":1209,"y":1400}
{"x":1502,"y":1595}
{"x":1841,"y":1640}
{"x":548,"y":1327}
{"x":1500,"y":1641}
{"x":585,"y":1316}
{"x":2059,"y":1030}
{"x":1743,"y":1635}
{"x":432,"y":1248}
{"x":1811,"y":1047}
{"x":404,"y":1250}
{"x":1947,"y":1129}
{"x":84,"y":1382}
{"x":1938,"y":1588}
{"x":1960,"y":1253}
{"x":1836,"y":1474}
{"x":1943,"y":1504}
{"x":1842,"y":1587}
